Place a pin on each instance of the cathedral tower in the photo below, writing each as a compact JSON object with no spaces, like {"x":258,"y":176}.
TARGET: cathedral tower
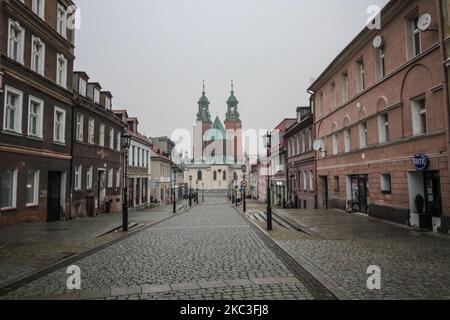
{"x":233,"y":126}
{"x":202,"y":125}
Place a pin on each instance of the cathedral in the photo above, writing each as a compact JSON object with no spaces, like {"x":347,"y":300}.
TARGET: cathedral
{"x":217,"y":147}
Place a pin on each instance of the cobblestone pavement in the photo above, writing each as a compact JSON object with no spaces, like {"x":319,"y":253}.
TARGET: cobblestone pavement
{"x":210,"y":252}
{"x":27,"y":248}
{"x":413,"y":265}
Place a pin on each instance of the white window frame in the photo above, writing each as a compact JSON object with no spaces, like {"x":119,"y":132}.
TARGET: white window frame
{"x":40,"y":117}
{"x":96,"y":96}
{"x":62,"y":138}
{"x":383,"y":128}
{"x":40,"y":11}
{"x":80,"y":127}
{"x":61,"y":24}
{"x":18,"y":111}
{"x":416,"y":116}
{"x":386,"y":183}
{"x":89,"y":178}
{"x":77,"y":178}
{"x":111,"y":138}
{"x":118,"y":173}
{"x":82,"y":87}
{"x":345,"y":87}
{"x":110,"y":177}
{"x":35,"y":201}
{"x":305,"y":181}
{"x":347,"y":140}
{"x":40,"y":67}
{"x":311,"y":181}
{"x":380,"y":64}
{"x":360,"y":75}
{"x":91,"y":131}
{"x":61,"y":70}
{"x":101,"y":139}
{"x":119,"y":136}
{"x":13,"y":192}
{"x":21,"y":41}
{"x":334,"y":139}
{"x":363,"y":135}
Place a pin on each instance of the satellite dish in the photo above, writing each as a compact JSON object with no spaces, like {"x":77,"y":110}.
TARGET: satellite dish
{"x":424,"y":22}
{"x":317,"y":145}
{"x":377,"y":42}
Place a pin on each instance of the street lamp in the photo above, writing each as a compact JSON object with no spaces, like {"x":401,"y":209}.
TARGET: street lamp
{"x":196,"y":192}
{"x":268,"y":138}
{"x":174,"y":189}
{"x":244,"y":186}
{"x":190,"y":191}
{"x":125,"y":142}
{"x":203,"y":192}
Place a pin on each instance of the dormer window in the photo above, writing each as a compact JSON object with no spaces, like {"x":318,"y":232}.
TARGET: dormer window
{"x":82,"y":87}
{"x":97,"y":96}
{"x":108,"y":105}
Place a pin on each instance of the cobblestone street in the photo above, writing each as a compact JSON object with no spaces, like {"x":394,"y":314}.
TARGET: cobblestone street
{"x":214,"y":252}
{"x":210,"y":252}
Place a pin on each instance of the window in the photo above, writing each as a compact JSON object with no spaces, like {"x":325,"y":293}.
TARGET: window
{"x":16,"y":41}
{"x":39,"y":8}
{"x":111,"y":139}
{"x":345,"y":87}
{"x":215,"y":175}
{"x":110,"y":178}
{"x":336,"y":184}
{"x":12,"y":116}
{"x":363,"y":135}
{"x":386,"y":183}
{"x":59,"y":125}
{"x":380,"y":63}
{"x":79,"y":128}
{"x":82,"y":87}
{"x":414,"y":47}
{"x":133,"y":156}
{"x":335,"y":144}
{"x":305,"y":181}
{"x":360,"y":82}
{"x":101,"y":141}
{"x":419,"y":117}
{"x":61,"y":25}
{"x":321,"y":103}
{"x":311,"y":181}
{"x":333,"y":96}
{"x":97,"y":96}
{"x":118,"y":172}
{"x":138,"y":157}
{"x":118,"y":141}
{"x":224,"y":176}
{"x":91,"y":131}
{"x":108,"y":104}
{"x":347,"y":140}
{"x":32,"y":188}
{"x":78,"y":170}
{"x":89,"y":177}
{"x":8,"y":189}
{"x":61,"y":71}
{"x":38,"y":56}
{"x":383,"y":128}
{"x":35,"y":117}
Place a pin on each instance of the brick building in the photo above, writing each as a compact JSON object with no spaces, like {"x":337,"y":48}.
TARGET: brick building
{"x":97,"y":157}
{"x":139,"y":163}
{"x":278,"y":161}
{"x":381,"y":112}
{"x":36,"y":62}
{"x":300,"y":160}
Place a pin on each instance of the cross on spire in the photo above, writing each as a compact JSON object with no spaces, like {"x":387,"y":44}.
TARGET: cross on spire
{"x":232,"y":86}
{"x":204,"y":87}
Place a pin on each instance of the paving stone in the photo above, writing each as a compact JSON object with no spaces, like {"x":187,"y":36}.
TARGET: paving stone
{"x":155,"y":288}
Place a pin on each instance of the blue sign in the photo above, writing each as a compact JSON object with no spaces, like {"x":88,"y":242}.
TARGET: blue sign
{"x":421,"y":162}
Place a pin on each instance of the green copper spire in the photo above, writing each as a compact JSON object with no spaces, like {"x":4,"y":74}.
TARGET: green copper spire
{"x":203,"y":107}
{"x":232,"y":113}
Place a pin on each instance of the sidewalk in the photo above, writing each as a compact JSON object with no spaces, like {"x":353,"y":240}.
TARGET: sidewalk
{"x":30,"y":247}
{"x":342,"y":246}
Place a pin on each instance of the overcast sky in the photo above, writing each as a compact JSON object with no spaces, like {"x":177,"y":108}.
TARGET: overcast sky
{"x":153,"y":54}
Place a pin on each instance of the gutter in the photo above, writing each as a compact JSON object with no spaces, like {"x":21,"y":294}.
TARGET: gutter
{"x":444,"y":78}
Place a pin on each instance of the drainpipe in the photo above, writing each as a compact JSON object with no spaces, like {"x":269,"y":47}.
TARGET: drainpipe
{"x":445,"y":78}
{"x":313,"y":131}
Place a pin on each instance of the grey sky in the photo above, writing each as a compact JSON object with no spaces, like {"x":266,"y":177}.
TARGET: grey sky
{"x":153,"y":54}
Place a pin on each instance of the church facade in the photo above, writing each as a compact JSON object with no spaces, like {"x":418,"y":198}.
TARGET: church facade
{"x":218,"y":155}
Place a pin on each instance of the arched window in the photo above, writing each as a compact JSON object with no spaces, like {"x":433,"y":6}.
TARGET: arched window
{"x":224,"y":175}
{"x":199,"y":175}
{"x":215,"y":175}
